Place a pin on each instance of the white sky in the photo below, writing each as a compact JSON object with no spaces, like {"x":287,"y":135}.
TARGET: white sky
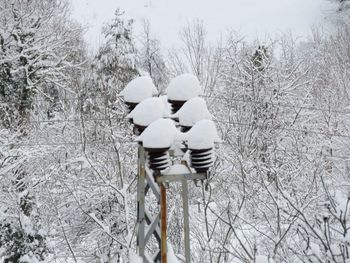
{"x":251,"y":18}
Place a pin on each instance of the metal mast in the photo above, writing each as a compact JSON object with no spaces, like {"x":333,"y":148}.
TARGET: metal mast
{"x":148,"y":223}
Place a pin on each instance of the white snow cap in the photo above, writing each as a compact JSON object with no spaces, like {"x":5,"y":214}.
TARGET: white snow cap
{"x":139,"y":89}
{"x":202,"y":135}
{"x":192,"y":111}
{"x":149,"y":110}
{"x":167,"y":105}
{"x":183,"y":87}
{"x":159,"y":134}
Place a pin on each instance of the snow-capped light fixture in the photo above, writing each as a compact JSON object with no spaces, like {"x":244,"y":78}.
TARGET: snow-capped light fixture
{"x":137,"y":90}
{"x":200,"y":140}
{"x":181,"y":89}
{"x":156,"y":139}
{"x":146,"y":112}
{"x":191,"y":112}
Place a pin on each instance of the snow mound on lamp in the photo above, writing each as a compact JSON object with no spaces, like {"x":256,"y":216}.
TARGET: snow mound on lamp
{"x":159,"y":134}
{"x":137,"y":90}
{"x":181,"y":89}
{"x":146,"y":112}
{"x":191,"y":112}
{"x":157,"y":138}
{"x":200,"y":140}
{"x":203,"y":135}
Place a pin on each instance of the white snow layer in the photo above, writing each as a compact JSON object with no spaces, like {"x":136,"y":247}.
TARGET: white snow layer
{"x":149,"y":110}
{"x":135,"y":258}
{"x":342,"y":201}
{"x":177,"y":169}
{"x":159,"y":134}
{"x":263,"y":259}
{"x":28,"y":258}
{"x":192,"y":111}
{"x":183,"y":87}
{"x":202,"y":135}
{"x":171,"y":255}
{"x":27,"y":224}
{"x":178,"y":143}
{"x":167,"y":105}
{"x":139,"y":89}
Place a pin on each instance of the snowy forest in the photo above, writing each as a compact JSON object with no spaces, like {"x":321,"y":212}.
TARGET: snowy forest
{"x":279,"y":189}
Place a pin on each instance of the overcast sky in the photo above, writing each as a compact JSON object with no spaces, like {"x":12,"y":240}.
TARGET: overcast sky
{"x":251,"y":18}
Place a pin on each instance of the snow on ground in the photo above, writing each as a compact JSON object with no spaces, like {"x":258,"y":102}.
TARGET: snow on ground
{"x":183,"y":87}
{"x":263,"y":259}
{"x":139,"y":89}
{"x":167,"y":105}
{"x":149,"y":110}
{"x":135,"y":258}
{"x":171,"y":255}
{"x":29,"y":258}
{"x":159,"y":134}
{"x":342,"y":203}
{"x":193,"y":111}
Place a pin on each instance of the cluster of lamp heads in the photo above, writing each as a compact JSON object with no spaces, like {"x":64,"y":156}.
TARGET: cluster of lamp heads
{"x":156,"y":118}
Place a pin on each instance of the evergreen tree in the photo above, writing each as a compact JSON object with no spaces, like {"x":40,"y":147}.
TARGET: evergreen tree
{"x":116,"y":59}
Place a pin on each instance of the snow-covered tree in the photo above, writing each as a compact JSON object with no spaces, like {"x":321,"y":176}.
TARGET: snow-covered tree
{"x":150,"y":57}
{"x":197,"y":55}
{"x":278,"y":190}
{"x":38,"y":46}
{"x":116,"y":59}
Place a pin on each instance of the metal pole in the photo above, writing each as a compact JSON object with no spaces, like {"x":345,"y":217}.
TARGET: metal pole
{"x":163,"y":223}
{"x":186,"y":220}
{"x":141,"y":203}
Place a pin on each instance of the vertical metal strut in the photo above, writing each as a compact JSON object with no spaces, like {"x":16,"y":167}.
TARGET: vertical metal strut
{"x":163,"y":221}
{"x":148,"y":223}
{"x":141,"y":203}
{"x":184,"y":186}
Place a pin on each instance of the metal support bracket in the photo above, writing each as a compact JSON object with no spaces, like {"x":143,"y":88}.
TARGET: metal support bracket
{"x":148,"y":223}
{"x":180,"y":177}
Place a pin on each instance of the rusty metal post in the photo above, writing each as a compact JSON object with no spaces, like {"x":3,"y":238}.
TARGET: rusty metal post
{"x":163,"y":223}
